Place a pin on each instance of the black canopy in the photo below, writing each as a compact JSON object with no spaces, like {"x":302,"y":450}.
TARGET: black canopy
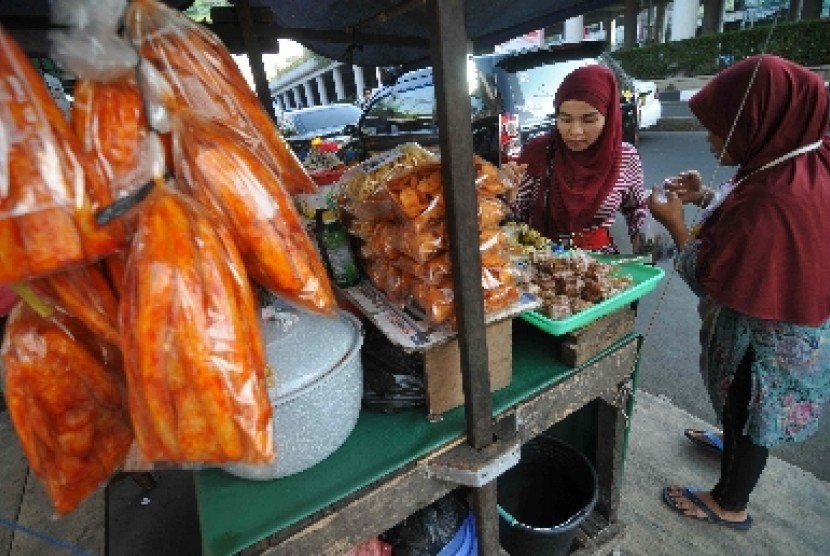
{"x":384,"y":33}
{"x":361,"y":32}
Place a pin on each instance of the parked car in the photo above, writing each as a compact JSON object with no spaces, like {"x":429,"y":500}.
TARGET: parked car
{"x":511,"y":97}
{"x":332,"y":122}
{"x":406,"y":112}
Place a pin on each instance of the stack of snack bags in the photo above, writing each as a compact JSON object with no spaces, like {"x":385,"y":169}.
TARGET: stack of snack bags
{"x":402,"y":224}
{"x":141,"y":332}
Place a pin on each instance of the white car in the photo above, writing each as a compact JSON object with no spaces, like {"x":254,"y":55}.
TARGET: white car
{"x":648,"y":103}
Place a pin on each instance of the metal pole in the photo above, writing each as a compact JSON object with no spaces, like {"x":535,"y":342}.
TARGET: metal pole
{"x":449,"y":63}
{"x":249,"y":37}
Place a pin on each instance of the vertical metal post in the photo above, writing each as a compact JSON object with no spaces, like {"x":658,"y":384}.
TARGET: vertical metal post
{"x":449,"y":57}
{"x":449,"y":63}
{"x":252,"y":48}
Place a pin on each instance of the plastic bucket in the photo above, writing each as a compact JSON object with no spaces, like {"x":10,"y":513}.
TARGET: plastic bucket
{"x":545,"y":498}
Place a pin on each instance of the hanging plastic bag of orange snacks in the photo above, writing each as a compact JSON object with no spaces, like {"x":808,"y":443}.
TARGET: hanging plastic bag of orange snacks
{"x":215,"y":166}
{"x":202,"y":75}
{"x":193,"y":350}
{"x":49,"y":189}
{"x":65,"y":393}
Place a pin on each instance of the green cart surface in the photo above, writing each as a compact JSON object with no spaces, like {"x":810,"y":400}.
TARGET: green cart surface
{"x":234,"y":513}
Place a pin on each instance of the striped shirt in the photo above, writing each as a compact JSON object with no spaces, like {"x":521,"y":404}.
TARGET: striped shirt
{"x":628,"y":196}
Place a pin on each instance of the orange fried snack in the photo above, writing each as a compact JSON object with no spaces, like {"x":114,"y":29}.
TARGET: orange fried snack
{"x":110,"y":121}
{"x":85,"y":293}
{"x":194,"y":357}
{"x":218,"y":170}
{"x":50,"y":189}
{"x":203,"y":76}
{"x":65,"y":398}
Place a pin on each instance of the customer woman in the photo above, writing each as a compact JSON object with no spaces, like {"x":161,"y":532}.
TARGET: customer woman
{"x":761,"y":260}
{"x":581,"y":173}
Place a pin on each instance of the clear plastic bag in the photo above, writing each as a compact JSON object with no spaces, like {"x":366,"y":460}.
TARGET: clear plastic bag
{"x":65,"y":393}
{"x":193,"y":350}
{"x":107,"y":111}
{"x":201,"y":75}
{"x":218,"y":169}
{"x":85,"y":293}
{"x":51,"y":190}
{"x":657,"y":241}
{"x":362,"y":188}
{"x":91,"y":47}
{"x":109,"y":119}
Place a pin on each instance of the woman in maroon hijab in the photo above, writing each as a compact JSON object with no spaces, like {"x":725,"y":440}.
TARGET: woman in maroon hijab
{"x":761,"y":264}
{"x":579,"y":175}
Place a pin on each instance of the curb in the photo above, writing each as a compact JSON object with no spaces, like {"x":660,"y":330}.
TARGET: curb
{"x":677,"y":124}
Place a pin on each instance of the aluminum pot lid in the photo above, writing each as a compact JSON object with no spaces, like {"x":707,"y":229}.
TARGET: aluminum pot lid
{"x":301,"y":346}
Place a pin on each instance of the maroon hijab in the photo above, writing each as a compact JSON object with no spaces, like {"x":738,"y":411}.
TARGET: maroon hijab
{"x":580,"y":180}
{"x":764,"y":251}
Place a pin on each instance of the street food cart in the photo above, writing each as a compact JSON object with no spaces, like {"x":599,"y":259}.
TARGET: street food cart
{"x":393,"y":465}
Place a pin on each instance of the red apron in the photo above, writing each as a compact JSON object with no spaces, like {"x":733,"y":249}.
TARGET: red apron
{"x":593,"y":239}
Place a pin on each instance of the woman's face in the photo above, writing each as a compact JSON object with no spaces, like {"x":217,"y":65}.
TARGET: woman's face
{"x":716,"y":148}
{"x":579,"y":124}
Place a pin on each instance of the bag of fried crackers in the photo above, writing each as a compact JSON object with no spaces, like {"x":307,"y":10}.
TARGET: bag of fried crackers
{"x":65,"y":393}
{"x":362,"y":189}
{"x":108,"y":113}
{"x":216,"y":168}
{"x":193,"y":349}
{"x":419,"y":200}
{"x":201,"y":75}
{"x":50,"y":190}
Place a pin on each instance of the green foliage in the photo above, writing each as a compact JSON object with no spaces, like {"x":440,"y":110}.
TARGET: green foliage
{"x":200,"y":10}
{"x":805,"y":42}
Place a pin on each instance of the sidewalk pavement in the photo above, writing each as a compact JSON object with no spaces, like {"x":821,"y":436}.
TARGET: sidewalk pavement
{"x":790,"y":508}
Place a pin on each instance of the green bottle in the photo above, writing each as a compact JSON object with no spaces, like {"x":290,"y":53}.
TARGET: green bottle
{"x":336,"y":249}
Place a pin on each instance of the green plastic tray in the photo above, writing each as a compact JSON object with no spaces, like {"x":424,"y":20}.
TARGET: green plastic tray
{"x":645,"y":278}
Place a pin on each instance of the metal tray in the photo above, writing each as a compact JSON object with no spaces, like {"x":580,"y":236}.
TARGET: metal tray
{"x":645,"y":278}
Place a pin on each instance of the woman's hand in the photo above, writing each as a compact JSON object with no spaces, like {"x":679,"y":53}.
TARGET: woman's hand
{"x":669,"y":213}
{"x":688,"y":186}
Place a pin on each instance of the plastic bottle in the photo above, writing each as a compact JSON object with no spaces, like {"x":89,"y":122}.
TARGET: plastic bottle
{"x":336,"y":249}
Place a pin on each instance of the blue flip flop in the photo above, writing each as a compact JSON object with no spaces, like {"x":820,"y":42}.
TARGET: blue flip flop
{"x":711,"y":516}
{"x":713,"y":442}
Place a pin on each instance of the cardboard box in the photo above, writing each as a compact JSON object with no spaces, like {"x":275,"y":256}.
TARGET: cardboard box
{"x":442,"y":368}
{"x":439,"y":346}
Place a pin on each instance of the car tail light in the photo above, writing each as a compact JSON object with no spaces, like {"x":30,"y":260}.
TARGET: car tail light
{"x":510,"y":142}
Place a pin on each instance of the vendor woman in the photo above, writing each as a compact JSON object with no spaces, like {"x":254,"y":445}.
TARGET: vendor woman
{"x":581,"y":173}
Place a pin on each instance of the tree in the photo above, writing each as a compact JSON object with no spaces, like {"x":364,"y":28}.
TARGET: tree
{"x":200,"y":10}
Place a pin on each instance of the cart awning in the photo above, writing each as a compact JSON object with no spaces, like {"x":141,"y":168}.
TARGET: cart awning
{"x":360,"y":32}
{"x":384,"y":33}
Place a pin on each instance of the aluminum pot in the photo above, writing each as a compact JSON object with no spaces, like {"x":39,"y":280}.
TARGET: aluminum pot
{"x":315,"y":361}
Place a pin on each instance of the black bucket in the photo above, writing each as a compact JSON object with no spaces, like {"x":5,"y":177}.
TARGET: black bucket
{"x":545,"y":498}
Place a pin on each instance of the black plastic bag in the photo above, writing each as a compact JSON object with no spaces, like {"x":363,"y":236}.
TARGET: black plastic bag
{"x":393,"y":380}
{"x":430,"y":529}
